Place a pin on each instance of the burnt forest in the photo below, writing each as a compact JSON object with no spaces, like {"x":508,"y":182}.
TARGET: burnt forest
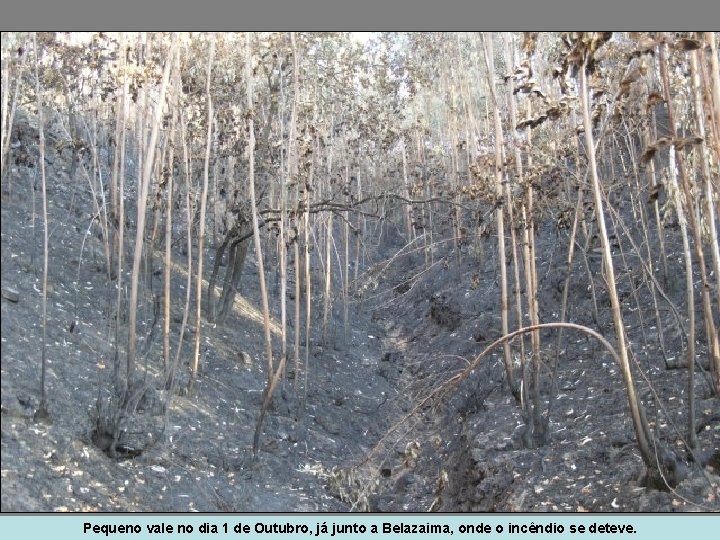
{"x":384,"y":272}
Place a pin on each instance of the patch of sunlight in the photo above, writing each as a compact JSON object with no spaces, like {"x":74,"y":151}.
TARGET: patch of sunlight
{"x":200,"y":408}
{"x":248,"y":310}
{"x":241,"y":304}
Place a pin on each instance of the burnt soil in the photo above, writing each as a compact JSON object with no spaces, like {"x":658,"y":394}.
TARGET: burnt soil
{"x":377,"y":427}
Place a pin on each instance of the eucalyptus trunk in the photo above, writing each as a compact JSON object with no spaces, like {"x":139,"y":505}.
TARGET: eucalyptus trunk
{"x":42,"y":413}
{"x":500,"y":203}
{"x":203,"y":209}
{"x":142,"y":205}
{"x":642,"y":431}
{"x":690,"y":202}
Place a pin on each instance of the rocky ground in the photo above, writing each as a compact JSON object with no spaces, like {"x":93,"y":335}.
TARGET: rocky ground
{"x":381,"y":426}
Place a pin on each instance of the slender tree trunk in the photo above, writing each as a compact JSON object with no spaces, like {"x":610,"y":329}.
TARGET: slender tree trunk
{"x":362,"y":227}
{"x":168,"y":243}
{"x":122,"y":116}
{"x":715,"y":79}
{"x":568,"y":272}
{"x":294,"y":177}
{"x":705,"y":154}
{"x":346,"y":273}
{"x":408,"y":208}
{"x":327,"y":305}
{"x":499,"y":211}
{"x":712,"y":336}
{"x":42,"y":413}
{"x":102,"y":211}
{"x":142,"y":204}
{"x":8,"y":118}
{"x":531,"y":281}
{"x":527,"y":389}
{"x":141,"y":127}
{"x":642,"y":430}
{"x":282,"y":244}
{"x":272,"y":375}
{"x":645,"y":219}
{"x":187,"y":168}
{"x":308,"y":283}
{"x":203,"y":210}
{"x":253,"y":207}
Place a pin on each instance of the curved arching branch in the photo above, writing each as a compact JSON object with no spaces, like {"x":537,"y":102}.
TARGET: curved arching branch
{"x":452,"y":383}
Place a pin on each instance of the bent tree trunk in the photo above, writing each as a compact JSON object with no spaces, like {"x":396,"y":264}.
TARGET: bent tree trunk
{"x":237,"y":257}
{"x":236,"y":240}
